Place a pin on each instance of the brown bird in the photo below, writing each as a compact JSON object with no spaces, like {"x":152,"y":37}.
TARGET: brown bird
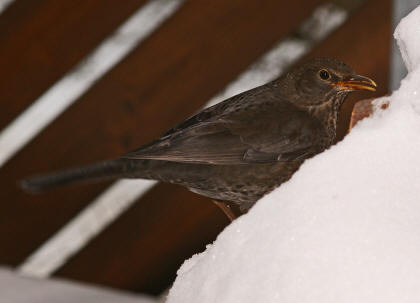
{"x":242,"y":148}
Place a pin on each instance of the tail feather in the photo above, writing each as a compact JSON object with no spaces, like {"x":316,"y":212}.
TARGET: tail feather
{"x":99,"y":171}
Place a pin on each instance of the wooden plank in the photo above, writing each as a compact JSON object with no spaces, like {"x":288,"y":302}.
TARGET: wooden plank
{"x":152,"y":271}
{"x":42,"y":39}
{"x":175,"y":71}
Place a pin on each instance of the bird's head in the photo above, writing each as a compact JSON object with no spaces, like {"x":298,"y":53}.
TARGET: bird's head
{"x":323,"y":80}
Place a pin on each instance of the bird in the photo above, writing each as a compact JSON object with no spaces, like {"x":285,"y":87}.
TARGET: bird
{"x":242,"y":148}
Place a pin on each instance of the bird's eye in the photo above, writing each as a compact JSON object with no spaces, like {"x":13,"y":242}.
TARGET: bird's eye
{"x":324,"y":74}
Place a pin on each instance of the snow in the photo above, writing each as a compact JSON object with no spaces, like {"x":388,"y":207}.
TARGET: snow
{"x":345,"y":228}
{"x":409,"y":47}
{"x":17,"y":289}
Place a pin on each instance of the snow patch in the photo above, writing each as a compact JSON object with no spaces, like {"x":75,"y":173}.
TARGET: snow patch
{"x":406,"y":34}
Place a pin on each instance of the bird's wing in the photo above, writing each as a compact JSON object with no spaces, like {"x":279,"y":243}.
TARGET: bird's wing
{"x":204,"y":143}
{"x":248,"y":136}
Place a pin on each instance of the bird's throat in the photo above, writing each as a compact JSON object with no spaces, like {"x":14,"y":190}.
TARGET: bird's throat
{"x":327,"y":113}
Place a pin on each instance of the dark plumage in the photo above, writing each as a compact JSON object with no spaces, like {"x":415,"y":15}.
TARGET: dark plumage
{"x":244,"y":147}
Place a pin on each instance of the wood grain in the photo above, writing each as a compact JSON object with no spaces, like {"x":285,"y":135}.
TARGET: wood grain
{"x":42,"y":39}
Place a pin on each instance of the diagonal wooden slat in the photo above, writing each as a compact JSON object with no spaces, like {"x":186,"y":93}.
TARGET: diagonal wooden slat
{"x":4,"y":4}
{"x":143,"y":267}
{"x":90,"y":222}
{"x":53,"y":102}
{"x":42,"y":39}
{"x":187,"y":61}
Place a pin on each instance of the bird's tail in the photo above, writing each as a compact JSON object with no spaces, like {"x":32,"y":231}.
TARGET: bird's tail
{"x":113,"y":169}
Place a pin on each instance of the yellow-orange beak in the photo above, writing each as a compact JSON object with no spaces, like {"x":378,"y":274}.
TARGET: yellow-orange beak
{"x":356,"y":83}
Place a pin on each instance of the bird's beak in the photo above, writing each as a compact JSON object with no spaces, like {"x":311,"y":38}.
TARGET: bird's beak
{"x":356,"y":82}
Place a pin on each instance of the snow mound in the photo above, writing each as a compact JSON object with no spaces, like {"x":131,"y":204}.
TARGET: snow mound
{"x":407,"y":33}
{"x":345,"y":228}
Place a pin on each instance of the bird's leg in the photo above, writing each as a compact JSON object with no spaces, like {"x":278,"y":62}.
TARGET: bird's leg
{"x":226,"y":208}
